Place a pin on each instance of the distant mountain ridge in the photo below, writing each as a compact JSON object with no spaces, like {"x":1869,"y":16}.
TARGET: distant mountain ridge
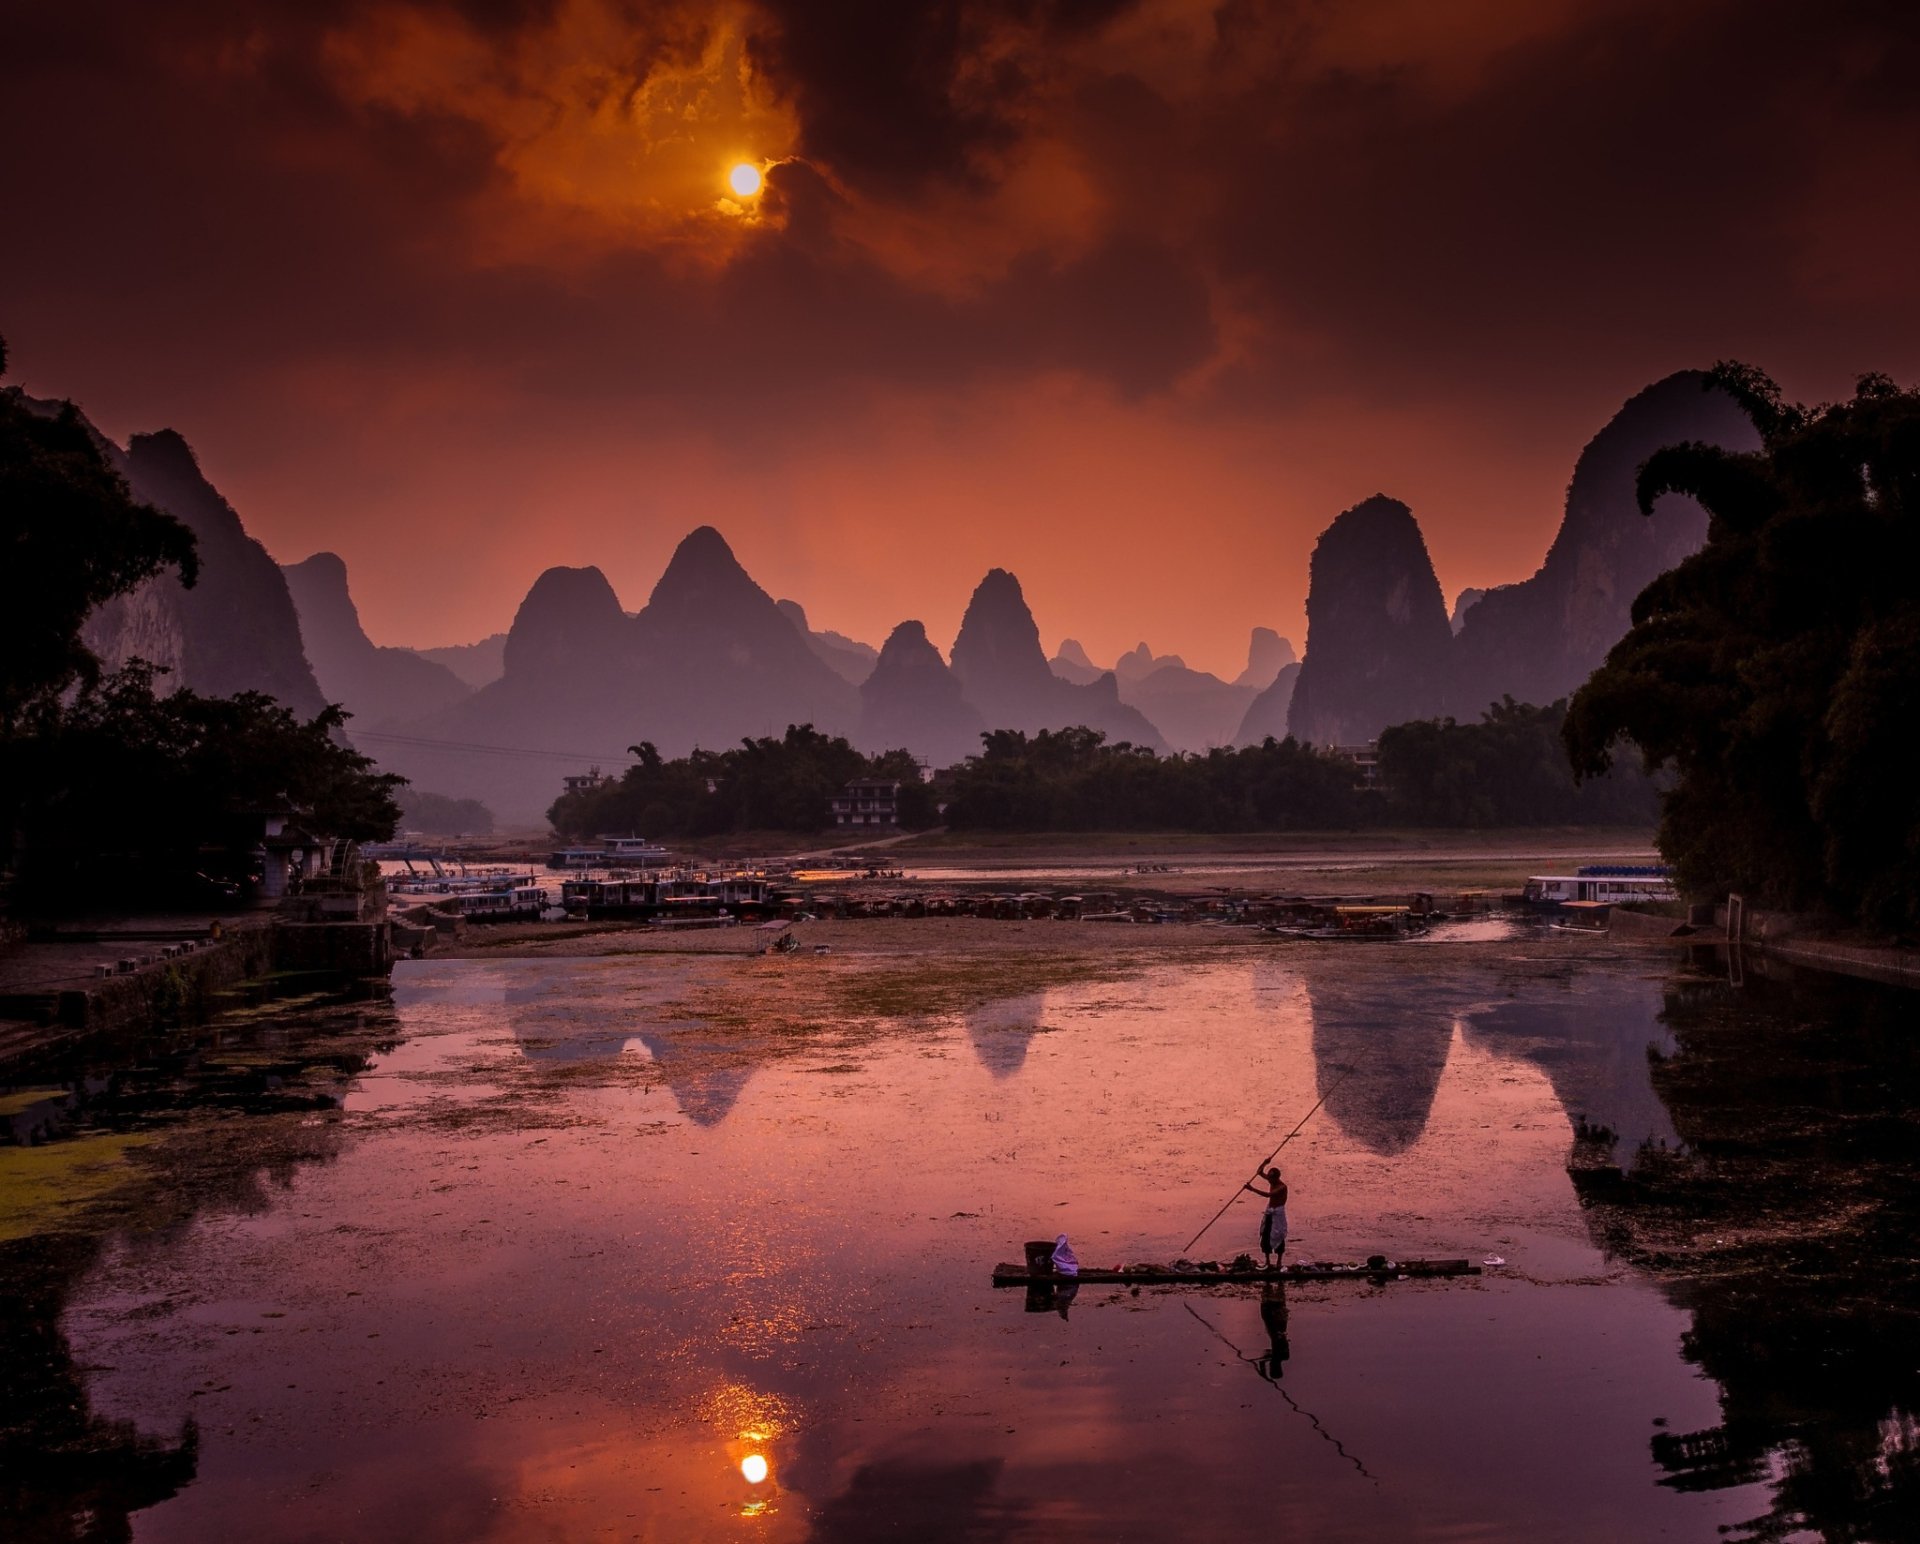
{"x":374,"y":684}
{"x":1193,"y":710}
{"x":1381,"y":646}
{"x":478,"y":664}
{"x":712,"y":657}
{"x":848,"y":658}
{"x":1004,"y":674}
{"x":708,"y":661}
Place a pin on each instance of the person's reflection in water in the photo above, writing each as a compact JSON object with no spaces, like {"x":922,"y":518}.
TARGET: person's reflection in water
{"x":1063,"y":1297}
{"x":1273,"y":1315}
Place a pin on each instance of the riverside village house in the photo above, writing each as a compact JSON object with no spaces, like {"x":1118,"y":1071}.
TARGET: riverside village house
{"x":868,"y":802}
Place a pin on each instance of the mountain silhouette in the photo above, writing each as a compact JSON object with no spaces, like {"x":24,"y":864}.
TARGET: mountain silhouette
{"x":235,"y":630}
{"x":1266,"y":715}
{"x":848,"y":658}
{"x":708,"y":661}
{"x":1267,"y":655}
{"x":1004,"y":673}
{"x":1542,"y":637}
{"x":478,"y":664}
{"x":912,"y":699}
{"x":1193,"y":709}
{"x":1378,"y":637}
{"x":1070,"y":663}
{"x":374,"y":684}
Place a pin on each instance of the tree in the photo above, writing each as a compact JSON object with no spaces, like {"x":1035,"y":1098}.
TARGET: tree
{"x":1778,"y":668}
{"x":71,"y":537}
{"x":153,"y":790}
{"x":1510,"y":769}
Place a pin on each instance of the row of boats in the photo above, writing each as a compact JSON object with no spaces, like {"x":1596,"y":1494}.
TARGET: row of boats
{"x":685,"y":896}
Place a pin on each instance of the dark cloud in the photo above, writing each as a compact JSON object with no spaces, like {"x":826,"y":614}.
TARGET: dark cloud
{"x":1641,"y":180}
{"x":364,"y":248}
{"x":892,"y":96}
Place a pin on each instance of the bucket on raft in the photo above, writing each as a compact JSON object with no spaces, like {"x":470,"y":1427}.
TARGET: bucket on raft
{"x":1039,"y":1257}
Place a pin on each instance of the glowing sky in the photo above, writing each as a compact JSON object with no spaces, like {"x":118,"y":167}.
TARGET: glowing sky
{"x":1129,"y":298}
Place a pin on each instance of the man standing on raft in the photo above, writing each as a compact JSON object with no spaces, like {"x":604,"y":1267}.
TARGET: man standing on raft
{"x":1273,"y":1223}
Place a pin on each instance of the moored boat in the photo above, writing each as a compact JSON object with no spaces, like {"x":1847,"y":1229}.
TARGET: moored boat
{"x":1608,"y":883}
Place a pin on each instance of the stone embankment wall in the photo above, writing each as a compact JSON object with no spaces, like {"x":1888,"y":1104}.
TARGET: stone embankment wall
{"x":1799,"y":940}
{"x":185,"y":986}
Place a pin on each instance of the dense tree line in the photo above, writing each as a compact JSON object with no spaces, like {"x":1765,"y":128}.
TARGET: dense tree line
{"x":768,"y":784}
{"x":1510,"y":769}
{"x":1072,"y":780}
{"x":439,"y":814}
{"x":1777,"y":670}
{"x":110,"y":790}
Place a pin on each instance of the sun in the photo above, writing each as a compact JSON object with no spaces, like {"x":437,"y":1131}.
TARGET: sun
{"x":744,"y":179}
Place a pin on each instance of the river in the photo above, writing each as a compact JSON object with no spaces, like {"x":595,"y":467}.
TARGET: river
{"x":684,"y":1246}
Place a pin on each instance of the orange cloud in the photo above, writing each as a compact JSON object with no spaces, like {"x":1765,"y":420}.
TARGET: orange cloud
{"x":610,"y":125}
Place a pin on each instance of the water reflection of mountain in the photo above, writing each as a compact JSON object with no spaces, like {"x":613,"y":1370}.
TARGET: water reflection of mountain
{"x":705,"y":1074}
{"x":1003,"y":1030}
{"x":1590,"y":1035}
{"x":931,"y":1501}
{"x":1378,"y":1053}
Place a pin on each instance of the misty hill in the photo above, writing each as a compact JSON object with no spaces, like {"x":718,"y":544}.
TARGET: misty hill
{"x":1193,"y":709}
{"x":235,"y":630}
{"x":1004,"y":673}
{"x":1266,"y":715}
{"x":912,"y":699}
{"x":709,"y":660}
{"x":374,"y":684}
{"x":1378,"y":637}
{"x":1140,"y":662}
{"x":1070,"y":663}
{"x":1542,"y":637}
{"x":1267,"y":655}
{"x":477,"y":664}
{"x":848,"y":658}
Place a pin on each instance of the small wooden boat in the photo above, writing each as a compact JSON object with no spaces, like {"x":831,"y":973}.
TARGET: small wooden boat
{"x":1207,"y":1273}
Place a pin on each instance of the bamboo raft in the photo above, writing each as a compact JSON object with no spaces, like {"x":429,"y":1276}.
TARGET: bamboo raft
{"x":1207,"y":1273}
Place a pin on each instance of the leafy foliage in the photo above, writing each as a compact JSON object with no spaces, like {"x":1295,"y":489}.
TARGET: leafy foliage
{"x":147,"y":790}
{"x":437,"y":814}
{"x":767,"y":784}
{"x":71,"y":537}
{"x":1072,"y":780}
{"x":1510,"y":769}
{"x":1778,"y":669}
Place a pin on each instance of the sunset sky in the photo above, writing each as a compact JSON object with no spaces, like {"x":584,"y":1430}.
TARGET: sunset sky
{"x":1129,"y":298}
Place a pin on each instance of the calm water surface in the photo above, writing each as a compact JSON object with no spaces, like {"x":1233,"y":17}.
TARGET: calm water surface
{"x":583,"y":1259}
